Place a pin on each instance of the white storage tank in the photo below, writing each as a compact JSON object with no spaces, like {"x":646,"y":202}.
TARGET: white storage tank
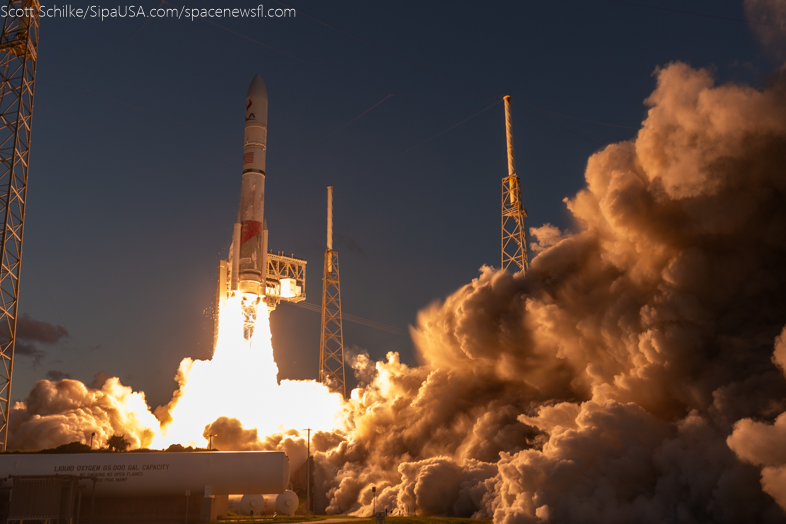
{"x":287,"y":503}
{"x":160,"y":473}
{"x":257,"y":505}
{"x":283,"y":504}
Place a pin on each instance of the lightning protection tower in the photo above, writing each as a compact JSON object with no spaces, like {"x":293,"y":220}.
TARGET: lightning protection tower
{"x":514,"y":237}
{"x":331,"y":344}
{"x":18,"y":56}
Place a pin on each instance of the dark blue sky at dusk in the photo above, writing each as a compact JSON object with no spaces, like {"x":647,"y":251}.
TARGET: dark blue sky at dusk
{"x":137,"y":145}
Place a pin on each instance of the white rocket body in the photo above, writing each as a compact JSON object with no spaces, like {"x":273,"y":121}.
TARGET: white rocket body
{"x":249,"y":257}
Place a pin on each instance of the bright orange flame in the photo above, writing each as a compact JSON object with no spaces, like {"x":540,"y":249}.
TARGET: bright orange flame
{"x":240,"y":382}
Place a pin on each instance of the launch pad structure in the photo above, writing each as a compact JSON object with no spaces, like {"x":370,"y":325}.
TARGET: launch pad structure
{"x":286,"y":280}
{"x":514,"y":235}
{"x":18,"y":57}
{"x":331,"y":342}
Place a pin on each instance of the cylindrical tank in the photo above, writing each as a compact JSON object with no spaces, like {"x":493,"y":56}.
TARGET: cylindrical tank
{"x":160,"y":474}
{"x":283,"y":503}
{"x":256,"y":505}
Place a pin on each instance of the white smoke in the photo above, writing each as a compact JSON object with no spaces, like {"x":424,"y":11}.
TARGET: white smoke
{"x":59,"y":412}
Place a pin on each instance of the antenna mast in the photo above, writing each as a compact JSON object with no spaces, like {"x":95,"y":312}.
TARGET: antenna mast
{"x":514,"y":237}
{"x":331,"y":345}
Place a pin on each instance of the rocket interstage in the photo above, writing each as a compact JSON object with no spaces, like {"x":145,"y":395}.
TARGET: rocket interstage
{"x":251,"y":269}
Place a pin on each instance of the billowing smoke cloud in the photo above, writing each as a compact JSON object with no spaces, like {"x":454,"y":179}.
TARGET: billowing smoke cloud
{"x":65,"y":411}
{"x":361,"y":364}
{"x":601,"y":386}
{"x":762,"y":443}
{"x":546,"y":236}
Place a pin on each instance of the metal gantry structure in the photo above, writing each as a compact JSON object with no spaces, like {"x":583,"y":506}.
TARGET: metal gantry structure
{"x":285,"y":280}
{"x":331,"y":344}
{"x":514,"y":235}
{"x":18,"y":56}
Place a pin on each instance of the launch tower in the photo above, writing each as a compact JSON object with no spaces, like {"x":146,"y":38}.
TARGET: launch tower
{"x":514,"y":237}
{"x":18,"y":56}
{"x":331,"y":344}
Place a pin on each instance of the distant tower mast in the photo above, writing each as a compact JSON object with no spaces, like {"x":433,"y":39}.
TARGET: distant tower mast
{"x":18,"y":56}
{"x":514,"y":238}
{"x":331,"y":345}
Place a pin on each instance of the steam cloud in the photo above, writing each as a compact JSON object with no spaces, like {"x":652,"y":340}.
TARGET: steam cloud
{"x":762,"y":443}
{"x":65,"y":411}
{"x":627,"y":377}
{"x":601,"y":386}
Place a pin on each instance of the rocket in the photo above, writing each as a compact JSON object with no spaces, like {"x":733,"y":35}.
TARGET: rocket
{"x":249,"y":240}
{"x":250,"y":269}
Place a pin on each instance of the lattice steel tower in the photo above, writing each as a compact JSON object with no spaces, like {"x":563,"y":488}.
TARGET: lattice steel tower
{"x":331,"y":344}
{"x":18,"y":56}
{"x":514,"y":236}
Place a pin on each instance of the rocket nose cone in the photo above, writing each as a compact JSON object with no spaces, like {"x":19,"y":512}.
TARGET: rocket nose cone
{"x":256,"y":101}
{"x":257,"y":88}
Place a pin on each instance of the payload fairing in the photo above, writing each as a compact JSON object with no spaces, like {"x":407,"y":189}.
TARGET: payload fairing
{"x":251,"y":269}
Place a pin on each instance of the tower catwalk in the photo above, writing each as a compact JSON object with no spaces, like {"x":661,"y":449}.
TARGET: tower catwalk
{"x":331,"y":344}
{"x":18,"y":56}
{"x":514,"y":236}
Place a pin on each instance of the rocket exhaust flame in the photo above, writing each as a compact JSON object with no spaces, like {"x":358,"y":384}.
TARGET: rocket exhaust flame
{"x":243,"y":369}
